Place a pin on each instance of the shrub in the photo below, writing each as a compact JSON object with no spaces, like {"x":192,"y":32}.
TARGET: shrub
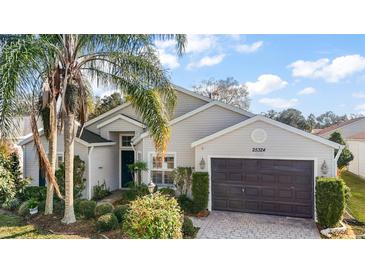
{"x":189,"y":231}
{"x":100,"y":191}
{"x":346,"y":156}
{"x":77,"y":205}
{"x":78,"y":176}
{"x":87,"y":209}
{"x":186,"y":204}
{"x":24,"y":209}
{"x":182,"y":177}
{"x":137,"y":168}
{"x":58,"y":206}
{"x":103,"y":208}
{"x":120,"y":212}
{"x":200,"y":190}
{"x":330,"y":200}
{"x":154,"y":216}
{"x":7,"y":188}
{"x":135,"y":191}
{"x":107,"y":222}
{"x":167,"y":191}
{"x":11,"y":204}
{"x":35,"y":192}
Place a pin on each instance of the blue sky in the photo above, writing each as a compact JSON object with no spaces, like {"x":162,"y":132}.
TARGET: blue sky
{"x":313,"y":73}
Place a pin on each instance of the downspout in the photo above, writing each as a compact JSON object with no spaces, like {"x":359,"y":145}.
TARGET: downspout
{"x":89,"y":172}
{"x":338,"y":156}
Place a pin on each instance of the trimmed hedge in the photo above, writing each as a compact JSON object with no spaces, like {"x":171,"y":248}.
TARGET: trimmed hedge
{"x":103,"y":209}
{"x":331,"y":196}
{"x":200,"y":190}
{"x":154,"y":217}
{"x":23,"y":209}
{"x":38,"y":193}
{"x":107,"y":222}
{"x":188,"y":228}
{"x":167,"y":191}
{"x":186,"y":204}
{"x":120,"y":212}
{"x":87,"y":209}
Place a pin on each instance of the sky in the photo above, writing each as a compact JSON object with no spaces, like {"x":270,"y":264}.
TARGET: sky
{"x":313,"y":73}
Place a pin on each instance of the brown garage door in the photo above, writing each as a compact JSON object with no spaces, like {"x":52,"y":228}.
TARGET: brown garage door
{"x":281,"y":187}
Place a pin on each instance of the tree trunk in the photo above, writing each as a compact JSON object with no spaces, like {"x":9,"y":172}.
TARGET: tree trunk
{"x":69,"y":137}
{"x":52,"y":143}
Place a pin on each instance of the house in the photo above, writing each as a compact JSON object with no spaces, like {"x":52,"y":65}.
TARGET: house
{"x":353,"y":132}
{"x":255,"y":164}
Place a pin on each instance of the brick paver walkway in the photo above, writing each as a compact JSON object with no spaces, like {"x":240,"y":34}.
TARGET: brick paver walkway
{"x":234,"y":225}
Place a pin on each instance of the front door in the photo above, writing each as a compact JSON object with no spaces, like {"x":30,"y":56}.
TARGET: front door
{"x":127,"y":159}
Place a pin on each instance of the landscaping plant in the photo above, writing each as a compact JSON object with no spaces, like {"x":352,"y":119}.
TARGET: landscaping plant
{"x":135,"y":191}
{"x":153,"y":216}
{"x":186,"y":204}
{"x":182,"y":177}
{"x":107,"y":222}
{"x":346,"y":156}
{"x":137,"y":168}
{"x":189,"y":231}
{"x":103,"y":208}
{"x":120,"y":212}
{"x":100,"y":191}
{"x":200,"y":190}
{"x":87,"y":209}
{"x":331,"y":196}
{"x":167,"y":191}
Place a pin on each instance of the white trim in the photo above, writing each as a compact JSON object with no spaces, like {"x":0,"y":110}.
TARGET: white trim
{"x":191,"y":93}
{"x":28,"y":138}
{"x":120,"y":164}
{"x":120,"y":140}
{"x":106,"y":114}
{"x":196,"y":111}
{"x":150,"y":154}
{"x":271,"y":122}
{"x":123,"y":117}
{"x":315,"y":171}
{"x":89,"y":172}
{"x":102,"y":144}
{"x":341,"y":127}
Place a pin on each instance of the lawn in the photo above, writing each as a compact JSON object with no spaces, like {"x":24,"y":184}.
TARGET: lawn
{"x":356,"y":204}
{"x":14,"y":227}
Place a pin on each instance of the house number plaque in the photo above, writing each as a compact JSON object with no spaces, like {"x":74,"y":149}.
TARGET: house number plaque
{"x":258,"y":149}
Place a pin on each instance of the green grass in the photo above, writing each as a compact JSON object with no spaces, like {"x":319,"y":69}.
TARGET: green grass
{"x":13,"y":227}
{"x":356,"y":204}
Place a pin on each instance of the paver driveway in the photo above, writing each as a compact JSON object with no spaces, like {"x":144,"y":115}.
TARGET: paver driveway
{"x":234,"y":225}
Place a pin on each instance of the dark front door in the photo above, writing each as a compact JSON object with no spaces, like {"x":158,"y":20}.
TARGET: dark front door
{"x":127,"y":159}
{"x":42,"y":177}
{"x":279,"y":187}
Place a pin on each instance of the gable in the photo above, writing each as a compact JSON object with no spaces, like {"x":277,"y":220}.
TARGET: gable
{"x":347,"y":130}
{"x":186,"y":103}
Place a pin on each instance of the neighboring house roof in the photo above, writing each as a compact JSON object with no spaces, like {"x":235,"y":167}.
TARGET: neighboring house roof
{"x":137,"y":139}
{"x":123,"y":117}
{"x":87,"y":138}
{"x":358,"y":136}
{"x":338,"y":125}
{"x":269,"y":121}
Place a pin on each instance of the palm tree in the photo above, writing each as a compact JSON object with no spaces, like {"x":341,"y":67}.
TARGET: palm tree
{"x":127,"y":62}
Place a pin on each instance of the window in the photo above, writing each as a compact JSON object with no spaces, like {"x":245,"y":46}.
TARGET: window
{"x":59,"y":160}
{"x":126,"y":141}
{"x":161,"y":169}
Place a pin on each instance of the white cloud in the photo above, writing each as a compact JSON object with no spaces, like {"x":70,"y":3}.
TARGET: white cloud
{"x":167,"y":59}
{"x":207,"y":61}
{"x":360,"y":95}
{"x":164,"y":44}
{"x":360,"y":107}
{"x":200,"y":43}
{"x":307,"y":91}
{"x":331,"y":71}
{"x":279,"y":102}
{"x":245,"y":48}
{"x":265,"y":84}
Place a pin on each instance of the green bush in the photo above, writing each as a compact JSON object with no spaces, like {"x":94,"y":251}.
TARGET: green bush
{"x":120,"y":212}
{"x":24,"y":209}
{"x":107,"y":222}
{"x":7,"y":188}
{"x":153,"y":217}
{"x":87,"y":209}
{"x":167,"y":191}
{"x":77,"y":205}
{"x":330,"y":201}
{"x":78,"y":176}
{"x":103,"y":209}
{"x":182,"y":177}
{"x":135,"y":191}
{"x":100,"y":191}
{"x":186,"y":204}
{"x":11,"y":204}
{"x":58,"y":206}
{"x":38,"y":193}
{"x":189,"y":231}
{"x":200,"y":190}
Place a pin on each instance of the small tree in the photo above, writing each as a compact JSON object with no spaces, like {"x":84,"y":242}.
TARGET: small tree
{"x":137,"y":168}
{"x":346,"y":156}
{"x":182,"y":177}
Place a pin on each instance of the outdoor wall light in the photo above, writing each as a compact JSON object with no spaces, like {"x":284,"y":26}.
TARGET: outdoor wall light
{"x":324,"y":168}
{"x":151,"y":187}
{"x":202,"y":163}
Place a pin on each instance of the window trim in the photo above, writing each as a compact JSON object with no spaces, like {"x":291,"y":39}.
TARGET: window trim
{"x":63,"y":159}
{"x":151,"y":154}
{"x":121,"y":140}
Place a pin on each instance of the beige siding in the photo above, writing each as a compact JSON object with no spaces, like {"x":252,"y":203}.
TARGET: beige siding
{"x":119,"y":125}
{"x":357,"y":166}
{"x":349,"y":130}
{"x":186,"y":103}
{"x":279,"y":144}
{"x":192,"y":129}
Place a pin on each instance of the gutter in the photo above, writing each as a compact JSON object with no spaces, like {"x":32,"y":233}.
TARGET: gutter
{"x":341,"y":147}
{"x":89,"y":172}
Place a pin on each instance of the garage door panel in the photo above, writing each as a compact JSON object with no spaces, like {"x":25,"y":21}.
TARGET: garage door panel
{"x":283,"y":187}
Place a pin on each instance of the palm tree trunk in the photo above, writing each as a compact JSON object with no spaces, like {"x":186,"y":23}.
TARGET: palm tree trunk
{"x":69,"y":136}
{"x":52,"y":143}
